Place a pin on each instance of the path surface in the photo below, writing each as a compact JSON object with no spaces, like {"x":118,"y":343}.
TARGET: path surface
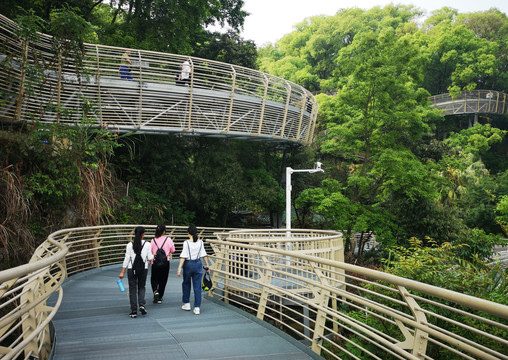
{"x":93,"y":323}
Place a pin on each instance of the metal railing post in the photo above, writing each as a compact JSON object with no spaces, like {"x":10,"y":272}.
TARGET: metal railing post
{"x":263,"y":104}
{"x":231,"y":101}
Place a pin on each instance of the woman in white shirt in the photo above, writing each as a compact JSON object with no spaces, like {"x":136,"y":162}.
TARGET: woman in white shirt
{"x":137,"y":282}
{"x":190,"y":261}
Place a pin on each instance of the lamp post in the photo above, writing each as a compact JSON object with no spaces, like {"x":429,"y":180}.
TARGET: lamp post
{"x":289,"y":171}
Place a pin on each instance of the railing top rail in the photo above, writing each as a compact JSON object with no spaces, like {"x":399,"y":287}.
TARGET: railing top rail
{"x":31,"y":267}
{"x":486,"y":306}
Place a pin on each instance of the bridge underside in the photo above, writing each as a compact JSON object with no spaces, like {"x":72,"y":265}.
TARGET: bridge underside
{"x":151,"y":108}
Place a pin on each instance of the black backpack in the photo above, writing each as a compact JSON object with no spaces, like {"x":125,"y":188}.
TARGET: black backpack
{"x":161,"y":257}
{"x":138,"y":266}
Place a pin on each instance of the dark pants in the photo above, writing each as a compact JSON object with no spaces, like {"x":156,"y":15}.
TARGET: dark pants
{"x":159,"y":278}
{"x":192,"y":272}
{"x":136,"y":289}
{"x":125,"y":73}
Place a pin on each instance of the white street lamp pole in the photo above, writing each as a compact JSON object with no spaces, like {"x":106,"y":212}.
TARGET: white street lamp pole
{"x":289,"y":171}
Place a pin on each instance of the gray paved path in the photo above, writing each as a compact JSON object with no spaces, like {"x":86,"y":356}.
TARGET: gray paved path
{"x":93,"y":323}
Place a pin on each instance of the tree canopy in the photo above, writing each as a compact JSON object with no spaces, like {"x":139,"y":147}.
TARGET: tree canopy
{"x":395,"y":168}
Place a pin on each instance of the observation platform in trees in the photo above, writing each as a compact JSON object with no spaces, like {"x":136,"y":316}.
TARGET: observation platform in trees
{"x":473,"y":102}
{"x":219,"y":100}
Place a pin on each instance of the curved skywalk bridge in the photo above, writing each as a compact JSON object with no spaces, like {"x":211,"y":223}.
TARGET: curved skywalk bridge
{"x":220,"y":100}
{"x":296,"y":281}
{"x":92,"y":323}
{"x":472,"y":102}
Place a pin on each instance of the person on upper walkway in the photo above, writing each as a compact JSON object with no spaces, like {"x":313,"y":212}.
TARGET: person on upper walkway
{"x":185,"y":73}
{"x":125,"y":63}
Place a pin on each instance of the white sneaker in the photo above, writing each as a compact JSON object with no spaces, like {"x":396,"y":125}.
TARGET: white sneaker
{"x":196,"y":310}
{"x":186,"y":306}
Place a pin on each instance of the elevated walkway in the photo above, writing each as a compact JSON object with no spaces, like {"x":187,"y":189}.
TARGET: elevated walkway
{"x":93,"y":323}
{"x":334,"y":309}
{"x":473,"y":102}
{"x":219,"y":100}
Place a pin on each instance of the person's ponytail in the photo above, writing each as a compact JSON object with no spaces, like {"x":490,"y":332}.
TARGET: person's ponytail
{"x":192,"y":230}
{"x":138,"y":234}
{"x":161,"y":228}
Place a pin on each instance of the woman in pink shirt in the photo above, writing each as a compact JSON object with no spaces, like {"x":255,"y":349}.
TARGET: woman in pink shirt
{"x":162,"y":248}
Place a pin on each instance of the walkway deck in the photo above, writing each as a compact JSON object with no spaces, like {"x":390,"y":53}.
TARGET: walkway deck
{"x":93,"y":323}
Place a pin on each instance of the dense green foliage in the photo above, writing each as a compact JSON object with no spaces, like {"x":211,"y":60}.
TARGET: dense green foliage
{"x":396,"y":167}
{"x":169,"y":26}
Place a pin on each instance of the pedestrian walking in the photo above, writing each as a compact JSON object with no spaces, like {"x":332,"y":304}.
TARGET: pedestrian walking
{"x":162,"y":247}
{"x":137,"y":257}
{"x":190,"y":262}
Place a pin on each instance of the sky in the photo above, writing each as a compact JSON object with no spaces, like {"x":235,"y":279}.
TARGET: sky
{"x":270,"y":20}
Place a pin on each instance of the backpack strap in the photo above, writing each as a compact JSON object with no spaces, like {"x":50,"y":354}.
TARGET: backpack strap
{"x":162,"y":243}
{"x":143,"y":244}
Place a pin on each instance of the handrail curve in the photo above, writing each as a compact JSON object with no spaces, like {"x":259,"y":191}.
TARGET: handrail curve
{"x":472,"y":102}
{"x":271,"y":288}
{"x":337,"y":309}
{"x":220,"y":99}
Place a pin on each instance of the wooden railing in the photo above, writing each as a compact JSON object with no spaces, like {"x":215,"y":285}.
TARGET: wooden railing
{"x":219,"y":100}
{"x":294,"y":280}
{"x":472,"y":102}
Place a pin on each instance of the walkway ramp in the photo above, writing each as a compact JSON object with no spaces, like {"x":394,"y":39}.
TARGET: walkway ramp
{"x":93,"y":323}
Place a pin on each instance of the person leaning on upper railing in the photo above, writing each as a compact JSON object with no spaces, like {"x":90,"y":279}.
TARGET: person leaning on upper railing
{"x":190,"y":260}
{"x":184,"y":77}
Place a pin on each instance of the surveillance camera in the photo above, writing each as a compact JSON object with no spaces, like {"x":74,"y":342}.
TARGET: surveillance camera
{"x":318,"y":165}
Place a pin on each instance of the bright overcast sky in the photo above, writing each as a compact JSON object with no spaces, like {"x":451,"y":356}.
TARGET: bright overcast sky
{"x":269,"y":20}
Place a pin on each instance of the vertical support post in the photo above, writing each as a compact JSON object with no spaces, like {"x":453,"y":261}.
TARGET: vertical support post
{"x":263,"y":298}
{"x":96,"y":245}
{"x":21,"y":92}
{"x":302,"y":110}
{"x":190,"y":92}
{"x":312,"y":124}
{"x":30,"y":321}
{"x":420,"y":337}
{"x":140,"y":112}
{"x":98,"y":82}
{"x":231,"y":100}
{"x":319,"y":324}
{"x":263,"y":104}
{"x":289,"y":171}
{"x":59,"y":86}
{"x":284,"y":119}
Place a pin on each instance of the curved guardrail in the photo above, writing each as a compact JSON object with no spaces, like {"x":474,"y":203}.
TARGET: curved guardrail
{"x":340,"y":310}
{"x":472,"y":102}
{"x":219,"y":99}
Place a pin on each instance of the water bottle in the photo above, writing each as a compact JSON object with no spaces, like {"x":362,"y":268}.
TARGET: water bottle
{"x":120,"y":285}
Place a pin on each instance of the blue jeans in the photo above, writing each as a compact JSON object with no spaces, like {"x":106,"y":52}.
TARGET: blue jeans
{"x":192,"y":271}
{"x":125,"y":73}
